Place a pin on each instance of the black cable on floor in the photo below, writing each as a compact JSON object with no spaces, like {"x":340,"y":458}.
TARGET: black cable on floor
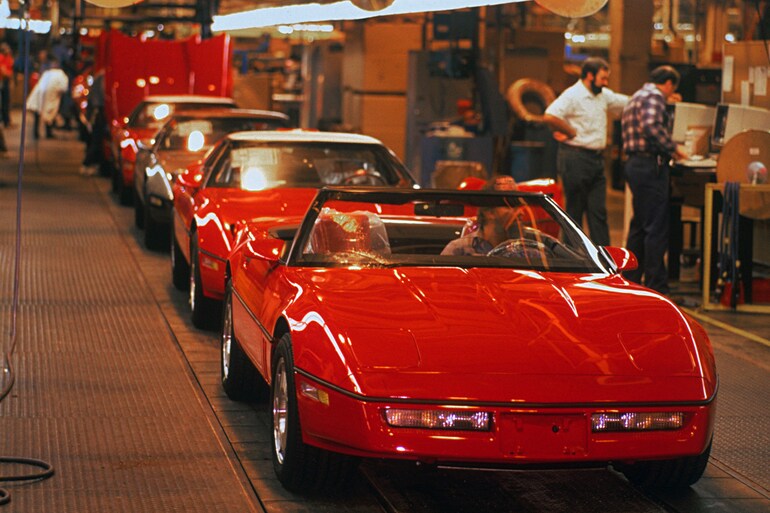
{"x":729,"y":262}
{"x":8,"y":373}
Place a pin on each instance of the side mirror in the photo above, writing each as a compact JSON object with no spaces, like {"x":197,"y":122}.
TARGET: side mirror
{"x":191,"y":177}
{"x":268,"y":249}
{"x":623,"y":258}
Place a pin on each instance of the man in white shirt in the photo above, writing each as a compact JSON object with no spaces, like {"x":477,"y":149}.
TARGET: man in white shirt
{"x":579,"y":118}
{"x":45,"y":98}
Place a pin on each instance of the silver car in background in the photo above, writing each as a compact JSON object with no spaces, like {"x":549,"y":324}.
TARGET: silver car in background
{"x":181,"y":141}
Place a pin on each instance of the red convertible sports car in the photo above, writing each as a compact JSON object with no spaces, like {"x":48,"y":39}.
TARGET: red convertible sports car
{"x":255,"y":174}
{"x":146,"y":118}
{"x":386,"y":330}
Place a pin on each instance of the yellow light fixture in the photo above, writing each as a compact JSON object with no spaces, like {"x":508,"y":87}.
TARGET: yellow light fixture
{"x":372,"y":5}
{"x":573,"y":8}
{"x":113,"y":4}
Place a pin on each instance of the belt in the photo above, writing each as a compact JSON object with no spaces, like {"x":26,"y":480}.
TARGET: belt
{"x":589,"y":151}
{"x":646,"y":154}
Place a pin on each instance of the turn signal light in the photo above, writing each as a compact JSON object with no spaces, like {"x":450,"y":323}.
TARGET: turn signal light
{"x":636,"y":421}
{"x":314,"y":393}
{"x":438,"y":419}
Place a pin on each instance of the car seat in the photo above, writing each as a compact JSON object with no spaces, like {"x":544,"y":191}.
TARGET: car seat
{"x":353,"y":232}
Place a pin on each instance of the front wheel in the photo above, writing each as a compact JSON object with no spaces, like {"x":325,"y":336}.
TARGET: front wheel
{"x":138,"y":211}
{"x":203,"y":310}
{"x":300,"y":468}
{"x":668,"y":474}
{"x":155,"y":233}
{"x":180,"y":269}
{"x":125,"y":192}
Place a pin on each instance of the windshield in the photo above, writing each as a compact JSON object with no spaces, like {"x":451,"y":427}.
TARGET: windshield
{"x":154,"y":114}
{"x":482,"y":229}
{"x":257,"y":165}
{"x":200,"y":134}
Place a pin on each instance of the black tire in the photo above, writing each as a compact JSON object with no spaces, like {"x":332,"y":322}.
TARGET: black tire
{"x":668,"y":474}
{"x":203,"y":311}
{"x":240,"y":378}
{"x":180,"y":269}
{"x":138,"y":212}
{"x":105,"y":168}
{"x":125,"y":194}
{"x":300,"y":468}
{"x":155,"y":233}
{"x":117,"y":178}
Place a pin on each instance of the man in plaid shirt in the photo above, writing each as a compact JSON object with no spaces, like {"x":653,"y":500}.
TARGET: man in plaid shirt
{"x":648,"y":145}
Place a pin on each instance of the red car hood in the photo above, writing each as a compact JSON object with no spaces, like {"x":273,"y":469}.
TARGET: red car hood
{"x":236,"y":205}
{"x":141,"y":132}
{"x":222,"y":209}
{"x":506,"y":335}
{"x":176,"y":161}
{"x":134,"y":134}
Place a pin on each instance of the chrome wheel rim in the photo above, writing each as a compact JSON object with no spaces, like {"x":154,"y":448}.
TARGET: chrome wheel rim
{"x":227,"y":337}
{"x":280,"y":411}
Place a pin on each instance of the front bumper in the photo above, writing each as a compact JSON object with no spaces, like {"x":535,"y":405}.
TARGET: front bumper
{"x":160,"y":209}
{"x":518,"y":436}
{"x":159,"y":195}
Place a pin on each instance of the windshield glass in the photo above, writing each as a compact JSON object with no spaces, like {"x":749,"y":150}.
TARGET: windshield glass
{"x":199,"y":134}
{"x":154,"y":114}
{"x":256,"y":166}
{"x":481,"y":229}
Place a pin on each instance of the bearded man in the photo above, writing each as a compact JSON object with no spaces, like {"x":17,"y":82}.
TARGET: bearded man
{"x":579,"y":120}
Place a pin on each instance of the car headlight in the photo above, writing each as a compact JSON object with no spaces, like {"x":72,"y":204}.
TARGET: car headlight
{"x":636,"y":421}
{"x":438,"y":419}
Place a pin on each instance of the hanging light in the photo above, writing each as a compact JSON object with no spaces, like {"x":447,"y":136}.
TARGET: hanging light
{"x":572,"y":8}
{"x":372,"y":5}
{"x":112,"y":4}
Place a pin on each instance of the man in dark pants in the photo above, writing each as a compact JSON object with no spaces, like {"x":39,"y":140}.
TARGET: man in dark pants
{"x":579,"y":118}
{"x":648,"y":145}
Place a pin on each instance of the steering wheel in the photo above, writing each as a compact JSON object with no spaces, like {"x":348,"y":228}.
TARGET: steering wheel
{"x":365,"y":178}
{"x":528,"y":249}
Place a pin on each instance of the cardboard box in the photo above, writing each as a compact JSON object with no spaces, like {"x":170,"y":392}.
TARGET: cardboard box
{"x":377,"y":56}
{"x":740,"y":76}
{"x":380,"y":116}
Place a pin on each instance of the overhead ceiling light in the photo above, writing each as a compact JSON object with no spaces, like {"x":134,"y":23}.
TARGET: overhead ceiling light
{"x":36,"y":26}
{"x":346,"y":10}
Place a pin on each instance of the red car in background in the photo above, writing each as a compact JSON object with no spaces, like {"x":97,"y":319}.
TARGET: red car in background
{"x":142,"y":123}
{"x":248,"y":175}
{"x":183,"y":140}
{"x":378,"y":342}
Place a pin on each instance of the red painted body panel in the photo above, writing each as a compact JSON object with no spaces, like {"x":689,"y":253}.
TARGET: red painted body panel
{"x":540,"y":351}
{"x":445,"y":337}
{"x":192,"y":66}
{"x":135,"y":68}
{"x":215,"y":211}
{"x":126,"y":140}
{"x":567,"y":330}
